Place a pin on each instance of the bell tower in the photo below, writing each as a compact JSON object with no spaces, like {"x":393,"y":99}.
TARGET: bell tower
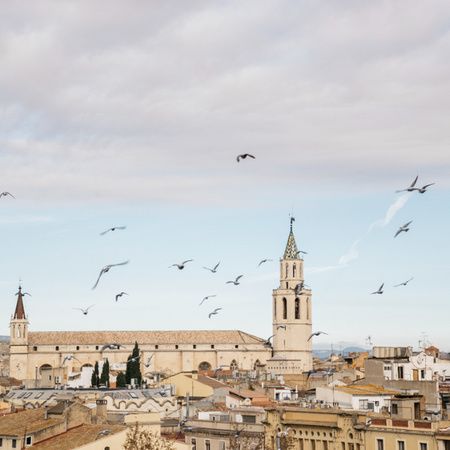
{"x":18,"y":344}
{"x":291,"y":315}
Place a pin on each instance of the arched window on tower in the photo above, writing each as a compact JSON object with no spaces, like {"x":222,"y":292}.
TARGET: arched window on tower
{"x":287,"y":270}
{"x":297,"y":308}
{"x":18,"y":333}
{"x":233,"y":365}
{"x":275,"y":308}
{"x":284,"y":308}
{"x":308,"y":312}
{"x":294,"y":270}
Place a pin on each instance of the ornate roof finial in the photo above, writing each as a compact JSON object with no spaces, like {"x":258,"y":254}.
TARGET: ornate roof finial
{"x":291,"y":251}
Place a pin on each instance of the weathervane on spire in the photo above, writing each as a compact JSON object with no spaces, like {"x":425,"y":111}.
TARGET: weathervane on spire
{"x":292,"y":220}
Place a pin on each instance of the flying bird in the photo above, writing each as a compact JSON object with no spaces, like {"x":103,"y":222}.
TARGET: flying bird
{"x":299,"y":287}
{"x":4,"y":194}
{"x":403,"y":228}
{"x":181,"y":265}
{"x":281,"y":326}
{"x":69,"y":358}
{"x":120,"y":295}
{"x":379,"y":291}
{"x":404,"y":283}
{"x":216,"y":311}
{"x":236,"y":281}
{"x":317,"y":333}
{"x":244,"y":156}
{"x":214,"y":269}
{"x":410,"y":188}
{"x":106,"y":269}
{"x":149,"y":359}
{"x":207,"y":297}
{"x":264,"y":261}
{"x":134,"y":359}
{"x":111,"y":347}
{"x":84,"y":311}
{"x":423,"y":189}
{"x":300,"y":251}
{"x":268,"y":340}
{"x":113,"y":229}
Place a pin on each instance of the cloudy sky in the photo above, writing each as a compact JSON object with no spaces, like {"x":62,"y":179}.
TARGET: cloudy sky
{"x":116,"y":113}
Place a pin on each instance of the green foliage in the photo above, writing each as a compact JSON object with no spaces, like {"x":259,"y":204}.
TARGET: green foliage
{"x":134,"y":366}
{"x":95,"y":379}
{"x":121,"y":380}
{"x":104,"y":377}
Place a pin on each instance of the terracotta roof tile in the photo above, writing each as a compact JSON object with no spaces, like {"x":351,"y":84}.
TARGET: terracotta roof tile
{"x":142,"y":337}
{"x":28,"y":421}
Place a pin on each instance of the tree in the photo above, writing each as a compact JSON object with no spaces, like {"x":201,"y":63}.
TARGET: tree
{"x":134,"y":366}
{"x":138,"y":439}
{"x":104,"y":377}
{"x":121,"y":380}
{"x":95,"y":380}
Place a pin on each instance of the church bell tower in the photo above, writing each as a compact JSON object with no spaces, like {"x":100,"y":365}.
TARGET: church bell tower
{"x":18,"y":344}
{"x":292,"y":315}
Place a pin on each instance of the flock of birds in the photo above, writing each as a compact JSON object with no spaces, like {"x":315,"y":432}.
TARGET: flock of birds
{"x":405,"y":228}
{"x":236,"y":281}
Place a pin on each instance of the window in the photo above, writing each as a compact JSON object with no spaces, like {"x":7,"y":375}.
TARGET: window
{"x":287,"y":270}
{"x":207,"y":444}
{"x":400,"y":372}
{"x":77,"y":347}
{"x":401,"y":445}
{"x":294,"y":271}
{"x":236,"y":346}
{"x":423,"y":446}
{"x":156,"y":347}
{"x":194,"y":444}
{"x":363,"y":404}
{"x":275,"y":308}
{"x":248,"y":419}
{"x":313,"y":445}
{"x":343,"y":445}
{"x":284,"y":309}
{"x":212,"y":345}
{"x":308,"y":315}
{"x":325,"y":445}
{"x":34,"y":349}
{"x":221,"y":445}
{"x":14,"y":443}
{"x":387,"y":367}
{"x":297,"y":308}
{"x":394,"y":408}
{"x":28,"y":440}
{"x":1,"y":442}
{"x":107,"y":448}
{"x":57,"y":348}
{"x":96,"y":347}
{"x":194,"y":346}
{"x":380,"y":444}
{"x":422,"y":374}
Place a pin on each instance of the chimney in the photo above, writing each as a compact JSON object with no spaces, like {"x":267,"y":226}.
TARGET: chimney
{"x":101,"y":411}
{"x":195,"y":375}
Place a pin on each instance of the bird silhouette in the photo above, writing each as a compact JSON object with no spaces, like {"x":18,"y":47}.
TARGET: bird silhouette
{"x":123,"y":227}
{"x":214,"y":269}
{"x":236,"y":281}
{"x":263,"y":261}
{"x":403,"y":229}
{"x":213,"y":313}
{"x":120,"y":294}
{"x":244,"y":156}
{"x":149,"y":359}
{"x":207,"y":297}
{"x":423,"y":189}
{"x":317,"y":333}
{"x":85,"y":311}
{"x":181,"y":265}
{"x":69,"y":358}
{"x":404,"y":283}
{"x":106,"y":269}
{"x":111,"y":347}
{"x":379,"y":291}
{"x":4,"y":194}
{"x":411,"y":187}
{"x":281,"y":326}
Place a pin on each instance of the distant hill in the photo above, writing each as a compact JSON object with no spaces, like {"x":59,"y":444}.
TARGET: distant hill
{"x":4,"y":338}
{"x":324,"y":353}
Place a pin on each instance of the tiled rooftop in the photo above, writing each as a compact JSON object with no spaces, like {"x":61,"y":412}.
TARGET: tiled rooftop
{"x":142,"y":337}
{"x":77,"y":437}
{"x":28,"y":421}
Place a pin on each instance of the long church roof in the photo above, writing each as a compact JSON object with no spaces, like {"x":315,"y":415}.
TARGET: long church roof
{"x":142,"y":337}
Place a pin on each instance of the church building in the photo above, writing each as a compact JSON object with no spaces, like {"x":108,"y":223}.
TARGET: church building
{"x":51,"y":358}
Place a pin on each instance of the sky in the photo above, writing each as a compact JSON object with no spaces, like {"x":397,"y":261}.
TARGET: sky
{"x":133,"y":113}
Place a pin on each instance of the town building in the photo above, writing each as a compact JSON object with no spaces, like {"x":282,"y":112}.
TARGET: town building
{"x":57,"y":358}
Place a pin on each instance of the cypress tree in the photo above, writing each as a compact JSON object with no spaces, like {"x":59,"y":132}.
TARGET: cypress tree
{"x":95,"y":380}
{"x":104,"y":377}
{"x":134,"y":366}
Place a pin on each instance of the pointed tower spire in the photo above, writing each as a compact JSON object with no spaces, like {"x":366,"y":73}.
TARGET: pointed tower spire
{"x":291,"y":251}
{"x":20,"y":310}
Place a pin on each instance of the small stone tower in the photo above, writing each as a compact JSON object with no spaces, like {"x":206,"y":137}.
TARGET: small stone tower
{"x":292,"y":315}
{"x":18,"y":344}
